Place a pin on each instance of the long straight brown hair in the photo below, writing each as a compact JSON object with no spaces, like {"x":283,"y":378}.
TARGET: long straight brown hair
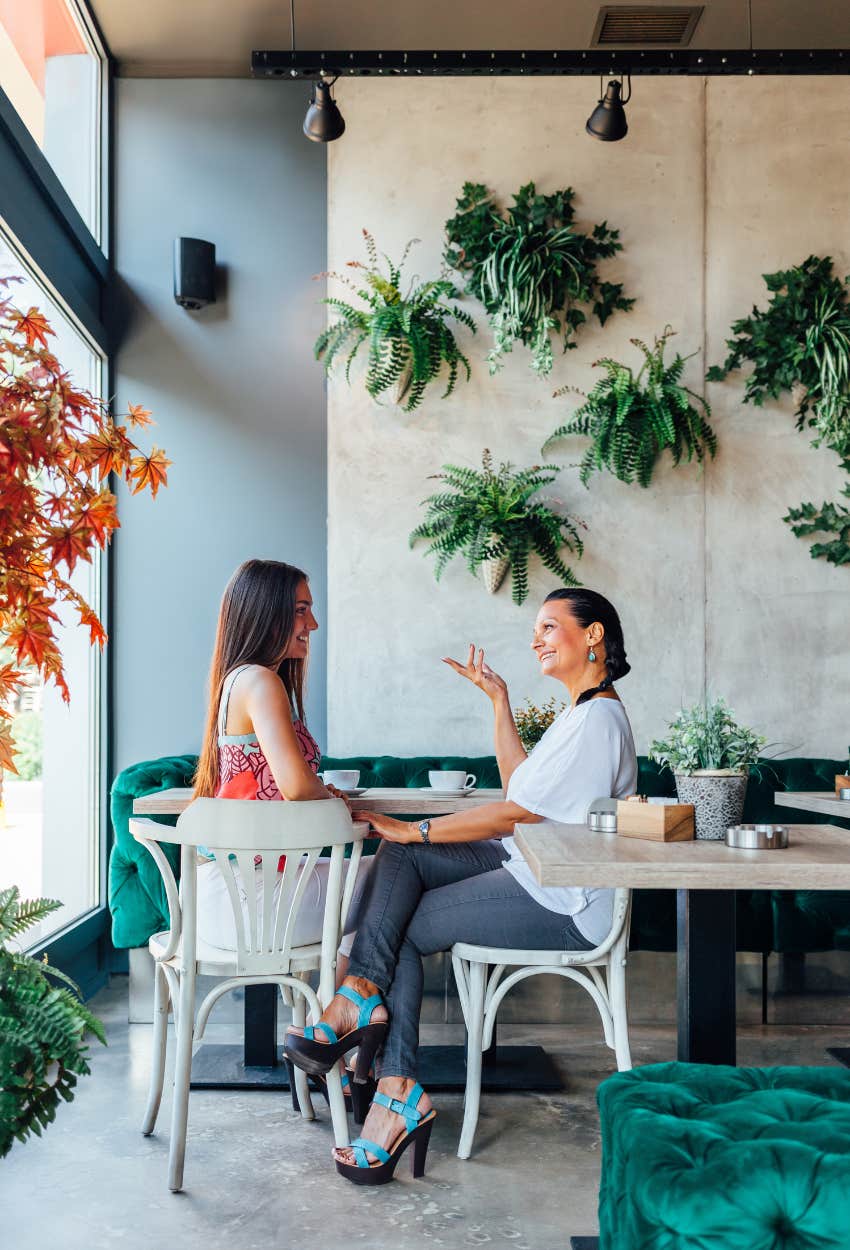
{"x":255,"y":623}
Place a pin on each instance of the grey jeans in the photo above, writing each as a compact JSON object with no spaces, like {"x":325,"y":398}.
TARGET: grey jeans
{"x":422,"y":899}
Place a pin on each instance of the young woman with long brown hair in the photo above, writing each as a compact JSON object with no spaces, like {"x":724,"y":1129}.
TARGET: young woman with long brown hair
{"x":256,"y":744}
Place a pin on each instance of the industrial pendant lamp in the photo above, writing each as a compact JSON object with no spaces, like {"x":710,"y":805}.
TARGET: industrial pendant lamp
{"x":324,"y":121}
{"x":608,"y":119}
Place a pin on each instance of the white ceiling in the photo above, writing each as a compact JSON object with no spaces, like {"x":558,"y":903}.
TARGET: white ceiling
{"x":176,"y":38}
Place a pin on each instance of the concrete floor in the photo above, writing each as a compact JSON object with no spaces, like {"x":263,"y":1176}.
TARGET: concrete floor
{"x":258,"y":1177}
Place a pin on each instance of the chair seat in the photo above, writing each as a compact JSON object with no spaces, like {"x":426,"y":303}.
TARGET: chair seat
{"x":497,"y":955}
{"x":213,"y":961}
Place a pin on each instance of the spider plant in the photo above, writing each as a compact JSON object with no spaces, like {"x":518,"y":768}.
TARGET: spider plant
{"x":631,"y":418}
{"x":531,"y":268}
{"x":489,"y":516}
{"x":408,"y":341}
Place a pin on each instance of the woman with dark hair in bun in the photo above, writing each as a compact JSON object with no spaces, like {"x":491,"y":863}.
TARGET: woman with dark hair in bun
{"x":460,"y":878}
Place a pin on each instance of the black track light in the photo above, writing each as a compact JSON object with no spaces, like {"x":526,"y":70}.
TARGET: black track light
{"x":608,"y":119}
{"x":323,"y":122}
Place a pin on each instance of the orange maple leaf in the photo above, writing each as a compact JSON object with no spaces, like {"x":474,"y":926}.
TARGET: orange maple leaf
{"x":96,"y":630}
{"x":137,"y":415}
{"x":149,"y":471}
{"x":70,"y":544}
{"x":98,"y":452}
{"x":100,"y":516}
{"x":32,"y":640}
{"x":34,"y":327}
{"x":7,"y":745}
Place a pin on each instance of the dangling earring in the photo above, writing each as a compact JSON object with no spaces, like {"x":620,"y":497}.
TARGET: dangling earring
{"x":591,"y":655}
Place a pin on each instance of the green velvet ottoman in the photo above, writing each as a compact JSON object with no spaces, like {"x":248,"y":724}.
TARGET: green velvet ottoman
{"x":699,"y":1157}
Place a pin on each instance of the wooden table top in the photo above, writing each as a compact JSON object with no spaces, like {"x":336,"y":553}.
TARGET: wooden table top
{"x":817,"y":858}
{"x":823,"y":801}
{"x":400,"y":802}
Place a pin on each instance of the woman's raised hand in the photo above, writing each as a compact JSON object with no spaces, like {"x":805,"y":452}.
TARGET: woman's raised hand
{"x":480,"y":674}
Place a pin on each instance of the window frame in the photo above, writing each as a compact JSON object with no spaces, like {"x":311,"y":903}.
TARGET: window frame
{"x":68,"y":259}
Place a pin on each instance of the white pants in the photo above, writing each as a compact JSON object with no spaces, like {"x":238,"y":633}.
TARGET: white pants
{"x":216,"y":922}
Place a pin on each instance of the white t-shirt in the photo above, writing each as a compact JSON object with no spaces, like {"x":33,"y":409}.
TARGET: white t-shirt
{"x":586,"y":753}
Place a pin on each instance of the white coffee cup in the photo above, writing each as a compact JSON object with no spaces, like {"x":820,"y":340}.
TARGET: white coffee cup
{"x":451,"y":780}
{"x":342,"y":778}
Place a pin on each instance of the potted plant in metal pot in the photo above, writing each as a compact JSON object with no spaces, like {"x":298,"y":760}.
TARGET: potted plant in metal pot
{"x":710,"y":755}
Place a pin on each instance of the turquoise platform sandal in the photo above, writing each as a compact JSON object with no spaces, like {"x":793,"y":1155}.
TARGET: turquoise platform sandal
{"x":417,"y":1132}
{"x":317,"y":1058}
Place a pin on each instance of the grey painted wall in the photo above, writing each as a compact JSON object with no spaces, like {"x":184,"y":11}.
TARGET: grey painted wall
{"x":238,"y":399}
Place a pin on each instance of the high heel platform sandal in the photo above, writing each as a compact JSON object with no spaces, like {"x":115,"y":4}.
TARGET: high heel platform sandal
{"x":317,"y":1058}
{"x":417,"y":1132}
{"x":357,"y":1097}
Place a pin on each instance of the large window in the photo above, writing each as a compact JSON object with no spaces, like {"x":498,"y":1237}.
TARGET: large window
{"x":50,"y":835}
{"x":51,"y":68}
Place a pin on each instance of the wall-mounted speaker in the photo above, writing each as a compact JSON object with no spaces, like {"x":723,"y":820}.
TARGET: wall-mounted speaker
{"x":194,"y":273}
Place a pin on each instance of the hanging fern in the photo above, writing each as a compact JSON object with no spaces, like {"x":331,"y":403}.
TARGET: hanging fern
{"x":42,"y":1028}
{"x":800,"y":345}
{"x":631,"y":419}
{"x":408,"y":342}
{"x":490,"y":515}
{"x":532,"y":269}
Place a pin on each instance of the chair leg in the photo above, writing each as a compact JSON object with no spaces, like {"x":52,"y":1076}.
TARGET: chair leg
{"x":302,"y":1086}
{"x":617,"y":999}
{"x":476,"y":981}
{"x":336,"y":1100}
{"x":159,"y":1044}
{"x":182,"y":1076}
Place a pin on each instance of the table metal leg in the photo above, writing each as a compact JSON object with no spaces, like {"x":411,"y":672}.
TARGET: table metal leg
{"x":705,"y":973}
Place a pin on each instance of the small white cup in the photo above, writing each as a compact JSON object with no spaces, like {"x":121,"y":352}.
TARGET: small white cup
{"x":451,"y":780}
{"x":342,"y":778}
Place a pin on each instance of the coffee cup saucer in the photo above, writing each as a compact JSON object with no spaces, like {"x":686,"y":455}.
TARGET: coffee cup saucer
{"x":453,"y":794}
{"x":354,"y":792}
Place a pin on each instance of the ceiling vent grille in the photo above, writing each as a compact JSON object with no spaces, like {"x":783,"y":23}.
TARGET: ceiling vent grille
{"x":640,"y":25}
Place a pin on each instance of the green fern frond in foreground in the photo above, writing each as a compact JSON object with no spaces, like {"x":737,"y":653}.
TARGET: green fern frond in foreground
{"x":489,"y":514}
{"x":42,"y":1028}
{"x":408,"y":341}
{"x":632,"y":418}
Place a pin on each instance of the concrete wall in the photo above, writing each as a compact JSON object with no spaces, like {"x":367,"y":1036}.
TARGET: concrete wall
{"x":717,"y":182}
{"x":238,"y":400}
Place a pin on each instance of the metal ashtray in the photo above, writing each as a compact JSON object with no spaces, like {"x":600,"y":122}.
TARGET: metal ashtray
{"x":602,"y":822}
{"x":757,"y":837}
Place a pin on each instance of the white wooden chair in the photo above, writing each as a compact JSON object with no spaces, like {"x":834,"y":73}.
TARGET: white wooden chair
{"x":601,"y":971}
{"x":235,"y":831}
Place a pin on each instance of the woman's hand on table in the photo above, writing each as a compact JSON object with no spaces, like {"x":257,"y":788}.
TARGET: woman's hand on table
{"x":339,"y":794}
{"x":479,"y":672}
{"x":390,"y":829}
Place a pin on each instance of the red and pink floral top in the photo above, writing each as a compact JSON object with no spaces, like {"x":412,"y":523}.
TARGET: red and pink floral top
{"x":243,"y":769}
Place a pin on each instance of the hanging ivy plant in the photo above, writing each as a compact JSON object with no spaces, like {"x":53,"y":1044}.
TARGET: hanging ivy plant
{"x":532,"y":269}
{"x":800,"y":344}
{"x":408,"y":341}
{"x":490,"y":519}
{"x":632,"y":418}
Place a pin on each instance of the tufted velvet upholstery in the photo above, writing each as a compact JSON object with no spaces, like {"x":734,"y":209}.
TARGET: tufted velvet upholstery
{"x":699,"y":1157}
{"x":800,"y":920}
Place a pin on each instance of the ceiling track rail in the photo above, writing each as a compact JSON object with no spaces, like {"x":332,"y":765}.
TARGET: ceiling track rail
{"x":311,"y":65}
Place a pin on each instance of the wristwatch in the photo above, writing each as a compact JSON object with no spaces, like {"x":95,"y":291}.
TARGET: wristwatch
{"x":424,"y":826}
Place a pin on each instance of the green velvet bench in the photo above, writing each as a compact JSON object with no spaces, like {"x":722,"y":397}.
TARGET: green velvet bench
{"x":792,"y":922}
{"x":698,"y":1157}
